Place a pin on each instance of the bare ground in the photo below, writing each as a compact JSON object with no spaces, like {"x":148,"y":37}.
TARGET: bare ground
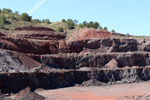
{"x":112,"y":92}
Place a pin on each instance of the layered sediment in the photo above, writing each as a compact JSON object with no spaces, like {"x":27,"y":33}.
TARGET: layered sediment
{"x":43,"y":58}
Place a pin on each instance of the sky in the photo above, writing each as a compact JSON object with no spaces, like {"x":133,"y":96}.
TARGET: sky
{"x":123,"y":16}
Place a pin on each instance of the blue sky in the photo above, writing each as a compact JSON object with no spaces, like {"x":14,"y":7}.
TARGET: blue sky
{"x":124,"y":16}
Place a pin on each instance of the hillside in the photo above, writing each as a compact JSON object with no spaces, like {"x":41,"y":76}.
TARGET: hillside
{"x":11,"y":20}
{"x":43,"y":55}
{"x":17,"y":22}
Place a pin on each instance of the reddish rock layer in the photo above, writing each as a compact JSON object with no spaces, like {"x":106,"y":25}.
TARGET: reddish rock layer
{"x":38,"y":33}
{"x":93,"y":33}
{"x":29,"y":46}
{"x":34,"y":28}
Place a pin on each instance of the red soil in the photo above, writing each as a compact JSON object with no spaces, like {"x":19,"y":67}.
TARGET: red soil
{"x":93,"y":33}
{"x":97,"y":93}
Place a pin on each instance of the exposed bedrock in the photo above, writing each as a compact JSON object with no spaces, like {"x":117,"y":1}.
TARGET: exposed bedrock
{"x":16,"y":62}
{"x":96,"y":60}
{"x":27,"y":45}
{"x":40,"y":33}
{"x":14,"y":82}
{"x":100,"y":45}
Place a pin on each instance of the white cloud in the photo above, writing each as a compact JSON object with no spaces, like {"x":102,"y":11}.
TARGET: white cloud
{"x":36,"y":6}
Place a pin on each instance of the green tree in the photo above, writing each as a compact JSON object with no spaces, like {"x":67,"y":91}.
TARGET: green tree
{"x":26,"y":17}
{"x":91,"y":23}
{"x":84,"y":23}
{"x":105,"y":28}
{"x":6,"y":10}
{"x":96,"y":25}
{"x":88,"y":25}
{"x":113,"y":31}
{"x":70,"y":24}
{"x":59,"y":29}
{"x":0,"y":11}
{"x":80,"y":25}
{"x":63,"y":20}
{"x":47,"y":21}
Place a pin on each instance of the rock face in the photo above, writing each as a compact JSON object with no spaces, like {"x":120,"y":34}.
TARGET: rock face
{"x":10,"y":82}
{"x":42,"y":58}
{"x":29,"y":46}
{"x":16,"y":62}
{"x":96,"y":60}
{"x":39,"y":42}
{"x":100,"y":45}
{"x":40,"y":33}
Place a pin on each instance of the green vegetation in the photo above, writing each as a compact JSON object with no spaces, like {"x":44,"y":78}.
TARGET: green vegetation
{"x":26,"y":17}
{"x":91,"y":24}
{"x":10,"y":20}
{"x":47,"y":21}
{"x":70,"y":24}
{"x":6,"y":11}
{"x":36,"y":21}
{"x":63,"y":20}
{"x":105,"y":28}
{"x":59,"y":29}
{"x":2,"y":21}
{"x":80,"y":25}
{"x":100,"y":27}
{"x":112,"y":30}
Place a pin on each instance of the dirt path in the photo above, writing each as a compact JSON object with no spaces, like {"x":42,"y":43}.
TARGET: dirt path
{"x":97,"y":93}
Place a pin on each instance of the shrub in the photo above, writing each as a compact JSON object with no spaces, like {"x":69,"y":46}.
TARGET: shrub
{"x":25,"y":17}
{"x":2,"y":21}
{"x":113,"y":31}
{"x":63,"y":20}
{"x":96,"y":25}
{"x":70,"y":24}
{"x":59,"y":29}
{"x":1,"y":25}
{"x":105,"y":28}
{"x":36,"y":21}
{"x":84,"y":23}
{"x":47,"y":21}
{"x":91,"y":23}
{"x":6,"y":10}
{"x":80,"y":25}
